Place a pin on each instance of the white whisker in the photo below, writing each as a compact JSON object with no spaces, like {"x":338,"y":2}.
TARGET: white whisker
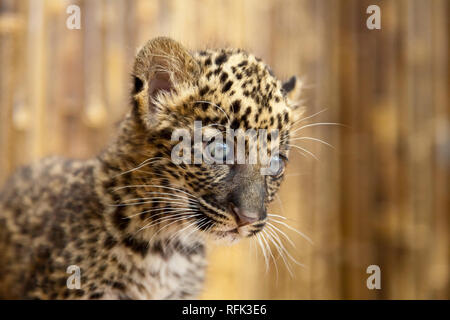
{"x":317,"y":124}
{"x":314,"y":139}
{"x":178,"y":218}
{"x":148,"y":202}
{"x":155,"y":186}
{"x":270,"y":251}
{"x":169,"y":217}
{"x":277,"y":238}
{"x":176,"y":200}
{"x":263,"y":252}
{"x":166,"y":226}
{"x":142,"y":164}
{"x":309,"y":117}
{"x":166,"y":210}
{"x":303,"y":149}
{"x":271,"y":226}
{"x":218,"y":107}
{"x":281,"y":253}
{"x":295,"y":230}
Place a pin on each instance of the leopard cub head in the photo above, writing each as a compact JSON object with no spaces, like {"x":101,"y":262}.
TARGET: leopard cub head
{"x":237,"y":106}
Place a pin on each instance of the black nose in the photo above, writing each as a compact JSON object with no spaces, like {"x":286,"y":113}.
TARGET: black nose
{"x":243,"y":217}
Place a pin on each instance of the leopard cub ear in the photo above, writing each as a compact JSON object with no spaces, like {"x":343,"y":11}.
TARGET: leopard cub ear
{"x":292,"y":90}
{"x":161,"y":66}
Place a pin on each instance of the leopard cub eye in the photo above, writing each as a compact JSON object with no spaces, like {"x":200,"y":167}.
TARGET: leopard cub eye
{"x":218,"y":151}
{"x":276,"y":165}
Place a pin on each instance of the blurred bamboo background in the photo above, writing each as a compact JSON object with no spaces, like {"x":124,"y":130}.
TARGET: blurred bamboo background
{"x":380,"y":197}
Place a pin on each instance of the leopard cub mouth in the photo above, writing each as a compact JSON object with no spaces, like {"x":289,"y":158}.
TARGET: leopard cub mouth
{"x":226,"y":224}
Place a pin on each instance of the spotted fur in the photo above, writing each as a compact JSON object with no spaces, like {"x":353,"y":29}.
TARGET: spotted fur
{"x":117,"y":216}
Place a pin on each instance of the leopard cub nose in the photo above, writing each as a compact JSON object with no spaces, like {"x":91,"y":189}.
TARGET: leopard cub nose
{"x":243,"y":217}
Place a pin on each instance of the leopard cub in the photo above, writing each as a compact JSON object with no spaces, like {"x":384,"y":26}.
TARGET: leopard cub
{"x":131,"y":219}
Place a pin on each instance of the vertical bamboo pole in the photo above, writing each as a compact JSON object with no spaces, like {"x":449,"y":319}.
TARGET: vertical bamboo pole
{"x":14,"y":113}
{"x":36,"y":77}
{"x":115,"y":73}
{"x":351,"y":185}
{"x":326,"y":252}
{"x":438,"y":273}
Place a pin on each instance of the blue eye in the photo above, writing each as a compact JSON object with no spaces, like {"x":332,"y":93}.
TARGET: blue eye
{"x":276,"y":165}
{"x":219,"y":151}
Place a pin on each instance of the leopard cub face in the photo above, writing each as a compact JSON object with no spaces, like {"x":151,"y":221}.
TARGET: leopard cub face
{"x":234,"y":103}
